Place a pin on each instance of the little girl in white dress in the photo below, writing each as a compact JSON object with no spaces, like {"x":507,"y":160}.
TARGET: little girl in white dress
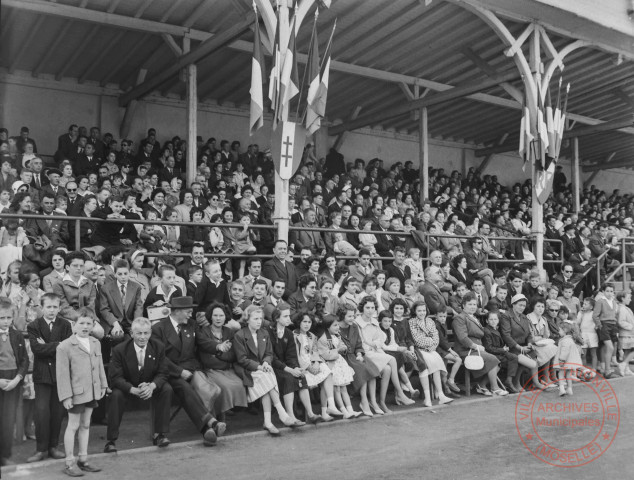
{"x":568,"y":358}
{"x":330,"y":348}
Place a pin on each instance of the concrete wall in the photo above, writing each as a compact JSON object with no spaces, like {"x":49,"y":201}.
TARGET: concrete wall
{"x":48,"y":107}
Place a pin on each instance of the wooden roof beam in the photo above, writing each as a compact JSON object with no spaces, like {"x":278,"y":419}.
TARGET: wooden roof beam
{"x":608,"y":166}
{"x":479,"y":62}
{"x":455,"y":92}
{"x":205,"y":49}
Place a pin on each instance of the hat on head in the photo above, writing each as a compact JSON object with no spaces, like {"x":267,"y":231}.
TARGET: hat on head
{"x":51,"y":171}
{"x":182,"y":303}
{"x":517,"y":298}
{"x":16,"y":185}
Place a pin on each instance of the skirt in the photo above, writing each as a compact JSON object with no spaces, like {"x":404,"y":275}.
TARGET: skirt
{"x":81,"y":408}
{"x":233,"y":393}
{"x":490,"y":362}
{"x":312,"y":380}
{"x":287,"y":383}
{"x":342,"y":373}
{"x":545,"y":353}
{"x":433,"y":361}
{"x":363,"y":372}
{"x":378,"y":359}
{"x":263,"y":383}
{"x":591,"y":339}
{"x":400,"y":357}
{"x":626,"y":342}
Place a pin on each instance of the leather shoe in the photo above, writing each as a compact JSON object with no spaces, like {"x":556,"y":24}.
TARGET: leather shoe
{"x":219,"y":428}
{"x":210,"y":438}
{"x":86,"y":467}
{"x":315,"y":419}
{"x":73,"y":471}
{"x":38,"y":457}
{"x":161,"y":441}
{"x":110,"y":448}
{"x":56,"y":454}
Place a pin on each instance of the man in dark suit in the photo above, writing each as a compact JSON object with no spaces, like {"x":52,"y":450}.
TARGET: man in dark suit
{"x":45,"y":334}
{"x":398,"y":269}
{"x":384,"y":243}
{"x":53,"y":187}
{"x":168,"y":172}
{"x":279,"y":268}
{"x":52,"y":225}
{"x":433,"y":296}
{"x":178,"y":333}
{"x":88,"y":162}
{"x":199,"y":198}
{"x":309,"y":239}
{"x":39,"y":179}
{"x":120,"y":301}
{"x":197,"y":259}
{"x":75,"y":203}
{"x":138,"y":369}
{"x":67,"y":144}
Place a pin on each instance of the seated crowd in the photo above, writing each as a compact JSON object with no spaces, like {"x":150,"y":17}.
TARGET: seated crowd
{"x":391,"y":293}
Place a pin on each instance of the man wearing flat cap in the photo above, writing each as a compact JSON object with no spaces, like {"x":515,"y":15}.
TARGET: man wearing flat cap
{"x":178,"y":332}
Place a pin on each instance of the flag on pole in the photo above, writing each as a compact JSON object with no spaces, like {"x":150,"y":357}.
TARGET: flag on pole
{"x":256,"y":115}
{"x":274,"y":77}
{"x":289,"y":81}
{"x":312,"y":119}
{"x":319,"y":101}
{"x":526,"y":137}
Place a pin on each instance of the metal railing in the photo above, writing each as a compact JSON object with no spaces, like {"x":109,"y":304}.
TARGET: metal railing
{"x":293,"y":228}
{"x":624,"y":265}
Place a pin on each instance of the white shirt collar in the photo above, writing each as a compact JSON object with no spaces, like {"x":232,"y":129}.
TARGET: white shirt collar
{"x":174,"y":324}
{"x":159,"y":291}
{"x":82,"y":280}
{"x":139,"y":349}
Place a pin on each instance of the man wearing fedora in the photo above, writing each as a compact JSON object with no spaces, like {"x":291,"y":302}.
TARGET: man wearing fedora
{"x":53,"y":187}
{"x":178,"y":334}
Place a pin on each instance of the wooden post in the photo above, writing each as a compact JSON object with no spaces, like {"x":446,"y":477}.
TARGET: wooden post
{"x":576,"y":179}
{"x":191,"y":74}
{"x":423,"y":155}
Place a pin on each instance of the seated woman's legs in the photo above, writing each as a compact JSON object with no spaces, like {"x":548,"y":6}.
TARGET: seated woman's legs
{"x":386,"y":374}
{"x":398,"y":390}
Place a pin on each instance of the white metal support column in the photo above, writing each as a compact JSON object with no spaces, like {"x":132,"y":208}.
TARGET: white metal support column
{"x":576,"y":176}
{"x":191,"y":81}
{"x":423,"y":155}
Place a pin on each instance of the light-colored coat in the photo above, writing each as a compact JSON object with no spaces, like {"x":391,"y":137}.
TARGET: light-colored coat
{"x":80,"y":374}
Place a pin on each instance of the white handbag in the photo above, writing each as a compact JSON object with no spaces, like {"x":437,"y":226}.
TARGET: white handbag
{"x":474,"y":362}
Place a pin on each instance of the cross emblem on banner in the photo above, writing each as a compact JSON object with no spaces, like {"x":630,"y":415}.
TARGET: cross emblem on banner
{"x":286,"y":156}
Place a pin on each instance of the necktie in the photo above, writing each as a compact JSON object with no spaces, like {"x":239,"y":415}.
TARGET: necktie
{"x":479,"y":300}
{"x":180,"y":332}
{"x":123,"y":293}
{"x":141,"y":358}
{"x":37,"y":181}
{"x":50,"y":326}
{"x":55,"y":189}
{"x":49,"y":222}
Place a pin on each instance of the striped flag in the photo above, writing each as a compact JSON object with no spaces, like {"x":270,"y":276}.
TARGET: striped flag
{"x":526,"y":137}
{"x":274,"y":78}
{"x":289,"y":80}
{"x":313,"y":120}
{"x":319,"y":102}
{"x":256,"y":116}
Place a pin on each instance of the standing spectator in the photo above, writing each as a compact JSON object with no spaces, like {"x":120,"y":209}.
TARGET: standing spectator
{"x":45,"y":334}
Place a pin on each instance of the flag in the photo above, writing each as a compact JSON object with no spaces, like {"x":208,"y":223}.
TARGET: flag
{"x":256,"y":116}
{"x":274,"y":77}
{"x":544,"y":182}
{"x":526,"y":137}
{"x":289,"y":80}
{"x":287,"y":147}
{"x":319,"y":102}
{"x":312,"y":119}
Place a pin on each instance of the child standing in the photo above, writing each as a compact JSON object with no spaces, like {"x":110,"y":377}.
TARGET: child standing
{"x":14,"y":364}
{"x":81,"y":383}
{"x":588,"y":330}
{"x":569,"y":358}
{"x":331,"y":348}
{"x":567,"y":299}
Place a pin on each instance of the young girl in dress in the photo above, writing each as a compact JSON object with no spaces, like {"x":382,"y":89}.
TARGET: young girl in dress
{"x":400,"y":352}
{"x":568,"y":357}
{"x":588,"y":331}
{"x":81,"y":383}
{"x":315,"y":370}
{"x":331,"y":348}
{"x":365,"y":373}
